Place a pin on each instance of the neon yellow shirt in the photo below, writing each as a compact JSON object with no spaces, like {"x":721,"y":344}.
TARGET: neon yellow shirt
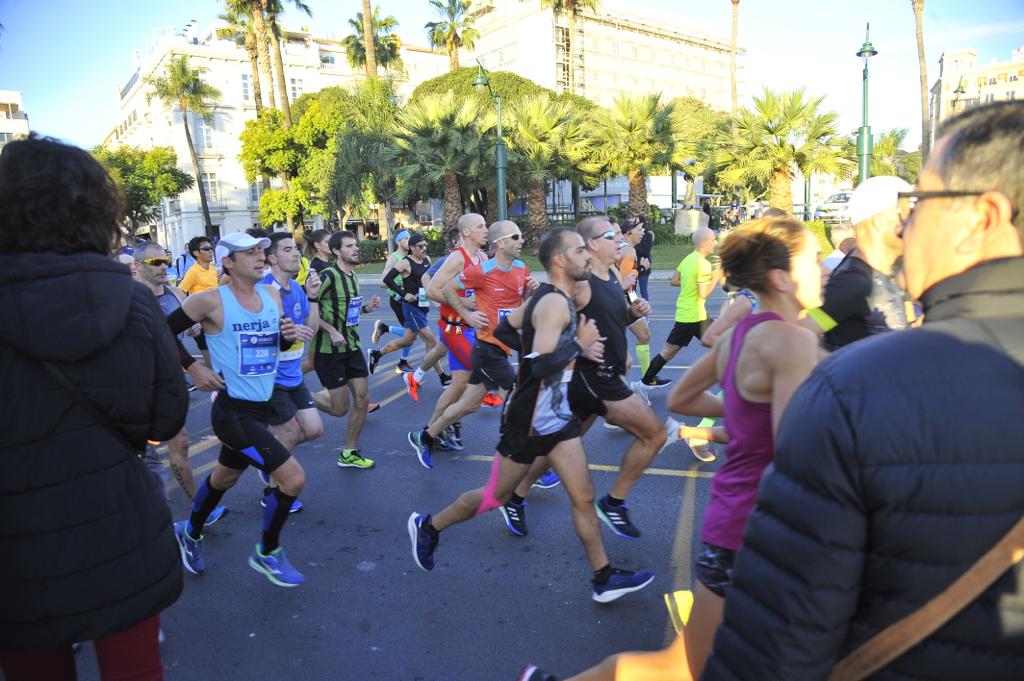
{"x":693,"y":270}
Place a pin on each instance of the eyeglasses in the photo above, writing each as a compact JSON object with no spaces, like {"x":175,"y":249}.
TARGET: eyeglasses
{"x":157,"y":262}
{"x":514,"y":237}
{"x":206,"y":248}
{"x":610,"y":235}
{"x":906,"y":202}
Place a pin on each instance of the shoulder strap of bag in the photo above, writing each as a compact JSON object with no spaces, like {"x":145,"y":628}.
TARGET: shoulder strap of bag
{"x":903,"y":635}
{"x":87,"y":404}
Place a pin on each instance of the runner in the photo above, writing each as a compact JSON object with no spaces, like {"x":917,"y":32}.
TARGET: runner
{"x":395,"y":300}
{"x":633,"y":233}
{"x":759,"y":364}
{"x":201,"y":276}
{"x":246,"y":332}
{"x":538,"y":421}
{"x":499,"y":286}
{"x":415,"y":304}
{"x":294,"y":417}
{"x":317,"y":250}
{"x":598,"y":388}
{"x":340,"y":363}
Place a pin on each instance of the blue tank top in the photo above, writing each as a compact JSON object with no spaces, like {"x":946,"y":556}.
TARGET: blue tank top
{"x":168,"y":303}
{"x":245,"y":352}
{"x":296,"y":306}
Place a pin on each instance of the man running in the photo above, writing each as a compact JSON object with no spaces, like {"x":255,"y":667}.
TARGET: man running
{"x":201,"y":276}
{"x":246,"y":332}
{"x":598,"y":388}
{"x":499,"y":286}
{"x":629,"y":272}
{"x":538,"y":421}
{"x":339,"y":362}
{"x":294,"y":416}
{"x":395,"y":300}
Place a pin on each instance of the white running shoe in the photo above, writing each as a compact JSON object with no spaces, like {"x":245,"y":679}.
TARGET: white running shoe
{"x":644,"y":391}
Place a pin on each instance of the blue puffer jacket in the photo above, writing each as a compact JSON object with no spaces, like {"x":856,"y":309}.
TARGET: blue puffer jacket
{"x":899,"y":463}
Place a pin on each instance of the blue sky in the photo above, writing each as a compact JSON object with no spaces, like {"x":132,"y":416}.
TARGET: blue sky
{"x":66,"y":57}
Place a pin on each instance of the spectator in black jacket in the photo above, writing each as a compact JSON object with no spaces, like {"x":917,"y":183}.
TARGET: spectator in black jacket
{"x":85,"y":533}
{"x":899,"y":461}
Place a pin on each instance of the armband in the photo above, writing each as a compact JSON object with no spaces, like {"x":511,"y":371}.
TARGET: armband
{"x":822,"y":319}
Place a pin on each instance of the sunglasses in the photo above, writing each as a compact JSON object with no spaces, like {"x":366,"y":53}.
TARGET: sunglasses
{"x":206,"y":248}
{"x":157,"y":262}
{"x":423,"y":245}
{"x":610,"y":235}
{"x":514,"y":237}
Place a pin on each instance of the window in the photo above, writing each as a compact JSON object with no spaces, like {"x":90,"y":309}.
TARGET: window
{"x":296,"y":84}
{"x":212,"y":187}
{"x":174,"y":206}
{"x":255,"y":191}
{"x":1010,"y":95}
{"x":991,"y":81}
{"x":326,"y":58}
{"x":246,"y":87}
{"x":990,"y":98}
{"x":202,"y":134}
{"x":5,"y":137}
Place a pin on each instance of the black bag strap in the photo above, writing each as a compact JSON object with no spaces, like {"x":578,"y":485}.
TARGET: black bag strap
{"x":87,"y":404}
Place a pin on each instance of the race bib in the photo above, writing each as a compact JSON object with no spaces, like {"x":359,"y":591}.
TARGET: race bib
{"x":504,"y":312}
{"x":257,"y":354}
{"x":469,"y":293}
{"x":422,"y":298}
{"x":355,"y":306}
{"x":294,"y":352}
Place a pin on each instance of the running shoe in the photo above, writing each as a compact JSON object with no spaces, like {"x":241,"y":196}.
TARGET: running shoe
{"x":617,"y":518}
{"x":443,"y":443}
{"x":454,"y":436}
{"x":423,"y":542}
{"x":372,"y":407}
{"x":515,"y":518}
{"x":191,"y":387}
{"x":492,"y":400}
{"x":349,"y":458}
{"x":446,"y":379}
{"x":611,"y":426}
{"x":535,"y":673}
{"x":379,"y":329}
{"x":700,"y":449}
{"x":620,"y":583}
{"x":276,"y":567}
{"x":264,"y":476}
{"x":374,"y":359}
{"x":296,"y":506}
{"x":548,"y":480}
{"x":644,"y":391}
{"x":422,"y":447}
{"x":191,"y":549}
{"x":404,"y":367}
{"x":656,"y":382}
{"x":216,"y":514}
{"x":412,"y":386}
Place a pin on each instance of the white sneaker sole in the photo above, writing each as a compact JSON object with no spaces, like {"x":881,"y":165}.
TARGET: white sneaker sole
{"x":609,"y":596}
{"x":413,"y":531}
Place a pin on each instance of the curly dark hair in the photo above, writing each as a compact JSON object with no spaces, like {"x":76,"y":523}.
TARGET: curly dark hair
{"x":56,"y":197}
{"x":195,"y":243}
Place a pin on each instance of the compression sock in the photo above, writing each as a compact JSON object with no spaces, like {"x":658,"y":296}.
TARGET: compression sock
{"x":708,"y":421}
{"x":279,"y":505}
{"x":397,"y":330}
{"x":407,"y":350}
{"x":489,"y":502}
{"x":516,"y":499}
{"x":656,"y":365}
{"x":207,"y":498}
{"x":643,"y":354}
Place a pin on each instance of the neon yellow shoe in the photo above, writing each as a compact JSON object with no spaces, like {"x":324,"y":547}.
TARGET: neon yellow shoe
{"x":349,"y":458}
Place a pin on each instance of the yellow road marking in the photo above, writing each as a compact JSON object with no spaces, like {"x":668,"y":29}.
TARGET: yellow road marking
{"x":682,"y":545}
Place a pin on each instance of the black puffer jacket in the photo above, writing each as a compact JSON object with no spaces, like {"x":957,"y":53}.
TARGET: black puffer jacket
{"x":899,"y":463}
{"x":86,"y":545}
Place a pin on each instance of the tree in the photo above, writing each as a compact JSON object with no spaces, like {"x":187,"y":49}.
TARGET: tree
{"x":182,"y":86}
{"x":272,"y":9}
{"x":783,"y":133}
{"x":386,"y":43}
{"x":369,"y":38}
{"x":455,"y":30}
{"x":699,"y":130}
{"x":146,"y":178}
{"x":635,"y":137}
{"x":255,"y":8}
{"x":437,"y":141}
{"x":889,"y":158}
{"x":571,"y":9}
{"x":240,"y":30}
{"x":922,"y":65}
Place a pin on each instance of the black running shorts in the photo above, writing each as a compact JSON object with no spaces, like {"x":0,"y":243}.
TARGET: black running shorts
{"x":396,"y":307}
{"x":589,"y":390}
{"x":491,"y":367}
{"x":714,"y":567}
{"x":334,"y":369}
{"x":241,"y":426}
{"x":683,"y":332}
{"x":523,"y":448}
{"x":286,"y":402}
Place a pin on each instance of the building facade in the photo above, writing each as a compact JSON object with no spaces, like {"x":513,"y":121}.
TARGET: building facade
{"x":310,"y":64}
{"x":13,"y":119}
{"x":964,"y":83}
{"x":618,"y":51}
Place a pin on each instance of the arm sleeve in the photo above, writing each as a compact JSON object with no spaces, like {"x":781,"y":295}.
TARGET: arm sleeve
{"x":508,"y":335}
{"x":389,"y":281}
{"x":796,"y":579}
{"x":846,"y":295}
{"x":178,"y":322}
{"x":556,"y":361}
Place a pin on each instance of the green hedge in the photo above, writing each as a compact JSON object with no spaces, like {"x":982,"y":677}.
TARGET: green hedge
{"x":373,"y":250}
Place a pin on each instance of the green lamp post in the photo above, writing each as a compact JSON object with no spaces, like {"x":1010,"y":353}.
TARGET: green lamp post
{"x":481,"y":83}
{"x":864,"y":143}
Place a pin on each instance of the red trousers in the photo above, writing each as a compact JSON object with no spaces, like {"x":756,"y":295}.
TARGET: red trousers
{"x":129,"y":655}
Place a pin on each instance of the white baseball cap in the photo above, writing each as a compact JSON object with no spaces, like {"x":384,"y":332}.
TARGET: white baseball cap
{"x":238,"y":241}
{"x":875,"y":195}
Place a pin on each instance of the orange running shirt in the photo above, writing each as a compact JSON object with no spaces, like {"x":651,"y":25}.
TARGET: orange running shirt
{"x":498,"y":292}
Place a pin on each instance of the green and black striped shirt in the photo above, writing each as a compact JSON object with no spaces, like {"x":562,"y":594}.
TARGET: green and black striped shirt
{"x":340,"y":306}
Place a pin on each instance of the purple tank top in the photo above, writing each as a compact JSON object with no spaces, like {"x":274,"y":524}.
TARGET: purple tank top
{"x":750,"y":450}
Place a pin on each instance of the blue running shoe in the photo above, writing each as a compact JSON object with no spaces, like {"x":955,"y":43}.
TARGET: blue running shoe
{"x":620,"y":583}
{"x":191,"y":549}
{"x":444,"y":444}
{"x":422,"y":448}
{"x":217,"y":513}
{"x":296,"y":506}
{"x":264,"y":476}
{"x":454,"y":436}
{"x":515,"y":518}
{"x":423,"y":542}
{"x":276,"y":567}
{"x":548,"y":480}
{"x":617,"y":518}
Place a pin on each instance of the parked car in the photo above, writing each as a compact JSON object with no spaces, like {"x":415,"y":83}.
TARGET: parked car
{"x":835,"y":210}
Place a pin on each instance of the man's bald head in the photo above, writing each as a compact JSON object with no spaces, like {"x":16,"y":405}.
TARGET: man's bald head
{"x":469,"y":221}
{"x":702,"y":235}
{"x":593,"y":226}
{"x":501,"y":228}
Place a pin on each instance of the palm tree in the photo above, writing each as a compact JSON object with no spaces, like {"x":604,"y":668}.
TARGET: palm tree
{"x":436,"y":143}
{"x":454,"y":31}
{"x":369,"y":38}
{"x":571,"y":9}
{"x":888,"y":157}
{"x":782,"y":134}
{"x":240,"y":30}
{"x":550,"y":142}
{"x":732,"y":50}
{"x":922,"y":65}
{"x":386,"y":43}
{"x":635,"y":137}
{"x":182,"y":86}
{"x":259,"y":25}
{"x":273,"y":8}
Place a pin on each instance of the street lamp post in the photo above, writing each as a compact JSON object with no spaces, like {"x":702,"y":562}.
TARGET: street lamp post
{"x":864,"y":142}
{"x":481,"y":82}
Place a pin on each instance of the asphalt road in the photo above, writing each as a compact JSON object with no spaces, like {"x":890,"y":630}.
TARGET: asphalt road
{"x":493,"y":603}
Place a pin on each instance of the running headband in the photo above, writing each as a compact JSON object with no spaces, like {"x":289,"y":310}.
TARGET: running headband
{"x":404,"y":234}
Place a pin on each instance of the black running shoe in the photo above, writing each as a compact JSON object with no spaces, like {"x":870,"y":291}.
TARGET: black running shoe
{"x":657,"y":382}
{"x":535,"y":673}
{"x":515,"y":518}
{"x":403,"y":366}
{"x":374,"y":359}
{"x":617,"y":518}
{"x":446,"y":380}
{"x":620,"y":583}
